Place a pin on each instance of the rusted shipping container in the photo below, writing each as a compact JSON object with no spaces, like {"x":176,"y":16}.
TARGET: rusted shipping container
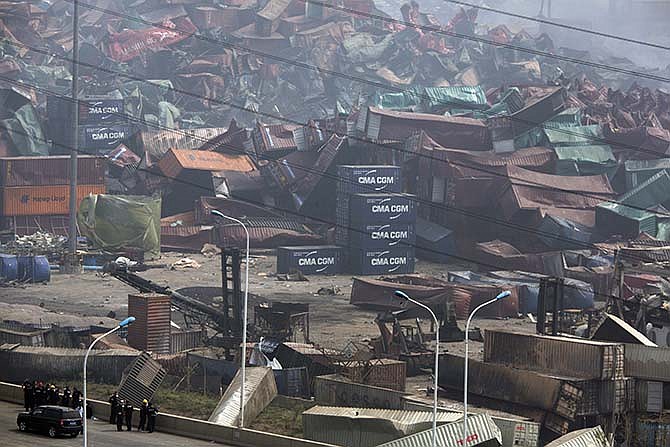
{"x":649,"y":363}
{"x":384,"y":373}
{"x":336,"y":390}
{"x":50,"y":171}
{"x":151,"y":329}
{"x":229,"y":18}
{"x":176,"y":161}
{"x":42,"y":200}
{"x":570,"y":357}
{"x":512,"y":385}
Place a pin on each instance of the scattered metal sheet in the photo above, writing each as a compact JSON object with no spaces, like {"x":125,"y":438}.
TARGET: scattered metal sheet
{"x":366,"y":427}
{"x":588,"y":437}
{"x":260,"y":389}
{"x":482,"y":431}
{"x":614,"y":329}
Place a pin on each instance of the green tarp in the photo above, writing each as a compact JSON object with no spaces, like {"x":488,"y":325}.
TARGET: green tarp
{"x":25,"y":132}
{"x":116,"y":223}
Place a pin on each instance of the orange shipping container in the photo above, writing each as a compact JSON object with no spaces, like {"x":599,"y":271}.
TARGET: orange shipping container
{"x":43,"y":200}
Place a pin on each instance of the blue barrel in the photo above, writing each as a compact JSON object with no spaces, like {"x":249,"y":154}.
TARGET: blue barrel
{"x":34,"y":269}
{"x":9,"y":269}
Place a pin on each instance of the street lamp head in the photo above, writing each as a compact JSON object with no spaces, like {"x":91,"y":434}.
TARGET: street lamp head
{"x":127,"y":322}
{"x":504,"y":294}
{"x":218,"y":213}
{"x":401,"y":294}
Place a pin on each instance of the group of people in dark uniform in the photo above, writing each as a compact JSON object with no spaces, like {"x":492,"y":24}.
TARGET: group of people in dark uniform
{"x":36,"y":393}
{"x":122,"y":411}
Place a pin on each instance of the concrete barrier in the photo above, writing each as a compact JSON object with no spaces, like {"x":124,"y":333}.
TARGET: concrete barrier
{"x":188,"y":427}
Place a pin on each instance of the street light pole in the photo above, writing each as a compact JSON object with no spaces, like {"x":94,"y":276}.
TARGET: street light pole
{"x":244,"y":318}
{"x":401,"y":294}
{"x":499,"y":297}
{"x":124,"y":323}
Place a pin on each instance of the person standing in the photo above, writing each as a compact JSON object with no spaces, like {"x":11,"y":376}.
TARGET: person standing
{"x":119,"y":416}
{"x":114,"y":404}
{"x":76,"y":396}
{"x":39,"y":394}
{"x":65,"y":400}
{"x":143,"y":415}
{"x":28,"y":395}
{"x":152,"y":412}
{"x":128,"y":413}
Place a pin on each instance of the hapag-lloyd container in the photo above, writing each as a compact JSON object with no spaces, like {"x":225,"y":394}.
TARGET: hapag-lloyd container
{"x":382,"y":261}
{"x":380,"y":236}
{"x":310,"y":260}
{"x":43,"y":200}
{"x":382,"y":208}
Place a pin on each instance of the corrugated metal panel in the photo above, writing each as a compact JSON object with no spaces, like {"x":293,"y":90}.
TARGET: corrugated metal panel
{"x":644,"y":362}
{"x":384,"y":373}
{"x":563,"y":356}
{"x":649,"y":396}
{"x":43,"y":200}
{"x":188,"y":339}
{"x":513,"y":385}
{"x":50,"y":171}
{"x":518,"y":433}
{"x":364,"y":427}
{"x":156,"y":144}
{"x":588,"y":437}
{"x":481,"y":429}
{"x":141,"y":380}
{"x":151,"y":329}
{"x":260,"y":389}
{"x":336,"y":390}
{"x":186,"y":237}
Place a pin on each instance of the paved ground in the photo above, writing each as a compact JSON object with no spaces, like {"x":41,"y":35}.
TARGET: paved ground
{"x":100,"y":434}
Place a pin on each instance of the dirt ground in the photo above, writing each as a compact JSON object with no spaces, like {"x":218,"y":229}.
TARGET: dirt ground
{"x":90,"y":297}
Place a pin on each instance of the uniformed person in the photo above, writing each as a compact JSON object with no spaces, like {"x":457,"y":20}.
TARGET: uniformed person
{"x":143,"y":415}
{"x":65,"y":400}
{"x":114,"y":404}
{"x":76,"y":397}
{"x":128,"y":413}
{"x":119,"y":416}
{"x":28,"y":395}
{"x":152,"y":412}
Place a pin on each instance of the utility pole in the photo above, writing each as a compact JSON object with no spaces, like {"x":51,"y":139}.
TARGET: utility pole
{"x":72,"y":263}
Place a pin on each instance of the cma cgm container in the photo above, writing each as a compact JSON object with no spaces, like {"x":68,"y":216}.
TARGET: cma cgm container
{"x":104,"y":138}
{"x":50,"y":171}
{"x":101,"y":110}
{"x":381,"y":262}
{"x":360,"y":179}
{"x":382,"y":208}
{"x":310,"y":260}
{"x":42,"y":200}
{"x":373,"y":236}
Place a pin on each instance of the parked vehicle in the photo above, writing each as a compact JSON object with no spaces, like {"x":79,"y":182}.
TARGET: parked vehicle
{"x":51,"y":419}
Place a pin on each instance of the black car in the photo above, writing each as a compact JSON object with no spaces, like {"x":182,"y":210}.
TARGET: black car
{"x":51,"y":419}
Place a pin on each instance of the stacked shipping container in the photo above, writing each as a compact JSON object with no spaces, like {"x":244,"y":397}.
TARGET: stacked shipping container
{"x":37,"y":188}
{"x":374,"y":221}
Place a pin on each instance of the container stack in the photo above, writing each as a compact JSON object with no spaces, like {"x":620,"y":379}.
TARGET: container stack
{"x":375,"y":222}
{"x":35,"y":191}
{"x":103,"y":124}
